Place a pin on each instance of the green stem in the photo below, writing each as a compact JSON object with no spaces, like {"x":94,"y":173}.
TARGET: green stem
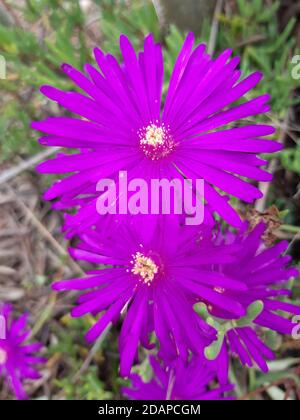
{"x":290,"y":228}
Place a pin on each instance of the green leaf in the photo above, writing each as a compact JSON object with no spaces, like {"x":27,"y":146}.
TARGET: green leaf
{"x":253,"y":311}
{"x":212,"y":352}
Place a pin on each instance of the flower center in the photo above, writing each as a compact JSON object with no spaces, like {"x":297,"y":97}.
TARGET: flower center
{"x":144,"y":267}
{"x":3,"y":356}
{"x":156,"y":141}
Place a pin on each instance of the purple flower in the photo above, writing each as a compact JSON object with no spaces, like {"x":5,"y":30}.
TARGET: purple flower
{"x":185,"y":381}
{"x":123,"y":124}
{"x":153,"y":270}
{"x":17,"y":359}
{"x":264,"y":272}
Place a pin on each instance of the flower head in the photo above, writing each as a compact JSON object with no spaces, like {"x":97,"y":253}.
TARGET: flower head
{"x":184,"y":381}
{"x":264,"y":271}
{"x":17,"y":359}
{"x":124,"y":124}
{"x":151,"y":271}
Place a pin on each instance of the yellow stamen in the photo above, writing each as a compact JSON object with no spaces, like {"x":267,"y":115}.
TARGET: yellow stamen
{"x":144,"y":267}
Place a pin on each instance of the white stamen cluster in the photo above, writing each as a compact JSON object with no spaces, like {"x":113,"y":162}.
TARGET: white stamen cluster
{"x":156,"y":141}
{"x":144,"y":267}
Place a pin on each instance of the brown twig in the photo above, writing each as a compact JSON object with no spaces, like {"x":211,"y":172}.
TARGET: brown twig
{"x":253,"y":40}
{"x":27,"y":164}
{"x":92,"y":353}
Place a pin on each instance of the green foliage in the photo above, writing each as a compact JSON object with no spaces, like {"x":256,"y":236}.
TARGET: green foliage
{"x":54,"y":32}
{"x":57,"y":31}
{"x":253,"y":311}
{"x":87,"y":386}
{"x":135,"y":22}
{"x":33,"y":58}
{"x":253,"y":34}
{"x":211,"y":352}
{"x":174,"y":40}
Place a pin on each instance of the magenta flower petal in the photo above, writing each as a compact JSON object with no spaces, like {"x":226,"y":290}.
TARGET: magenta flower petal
{"x":147,"y":279}
{"x":121,"y":102}
{"x":17,"y":359}
{"x":261,"y":269}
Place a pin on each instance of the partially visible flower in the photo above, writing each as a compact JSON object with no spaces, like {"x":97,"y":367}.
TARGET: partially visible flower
{"x":264,"y":272}
{"x":152,"y":271}
{"x":198,"y":132}
{"x":17,"y":358}
{"x":184,"y":381}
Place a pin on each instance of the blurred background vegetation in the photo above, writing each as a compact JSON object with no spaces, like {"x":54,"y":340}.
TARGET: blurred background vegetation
{"x":36,"y":36}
